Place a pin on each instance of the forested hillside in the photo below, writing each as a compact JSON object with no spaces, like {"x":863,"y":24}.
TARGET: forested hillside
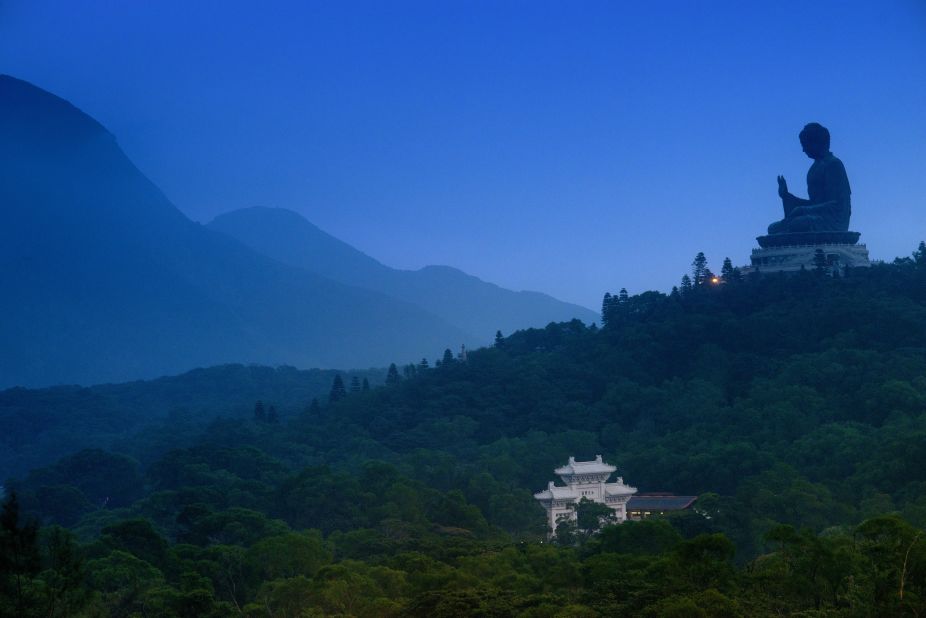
{"x":795,"y":407}
{"x":41,"y":424}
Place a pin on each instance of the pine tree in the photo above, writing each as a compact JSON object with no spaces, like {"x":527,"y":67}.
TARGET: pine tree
{"x":606,"y":309}
{"x":366,"y":385}
{"x":355,"y":384}
{"x":259,"y":414}
{"x":272,"y":416}
{"x":410,"y":371}
{"x":499,"y":339}
{"x":338,"y":392}
{"x":726,"y":271}
{"x":448,"y":359}
{"x":686,"y":284}
{"x":699,"y":269}
{"x":423,"y":364}
{"x":919,"y":256}
{"x":392,"y":376}
{"x":623,"y":296}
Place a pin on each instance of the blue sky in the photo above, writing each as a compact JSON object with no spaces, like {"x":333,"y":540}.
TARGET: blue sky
{"x":566,"y":147}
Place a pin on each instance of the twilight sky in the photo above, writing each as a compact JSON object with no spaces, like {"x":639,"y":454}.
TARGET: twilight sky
{"x":565,"y":147}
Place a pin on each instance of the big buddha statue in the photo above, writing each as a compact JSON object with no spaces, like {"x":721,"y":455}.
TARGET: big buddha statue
{"x":824,"y":217}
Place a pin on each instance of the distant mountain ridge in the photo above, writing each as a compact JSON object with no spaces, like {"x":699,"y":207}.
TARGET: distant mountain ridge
{"x":105,"y":280}
{"x":463,"y":300}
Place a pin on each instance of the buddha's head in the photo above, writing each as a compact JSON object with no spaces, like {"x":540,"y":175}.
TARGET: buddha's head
{"x":815,"y":140}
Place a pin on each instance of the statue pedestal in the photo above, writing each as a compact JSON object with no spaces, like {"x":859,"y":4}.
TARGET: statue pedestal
{"x":791,"y":258}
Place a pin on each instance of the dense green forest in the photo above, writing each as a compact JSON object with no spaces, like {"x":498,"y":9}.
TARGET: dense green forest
{"x":41,"y":424}
{"x":793,"y":406}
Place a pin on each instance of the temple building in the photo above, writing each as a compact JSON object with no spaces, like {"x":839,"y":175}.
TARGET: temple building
{"x":642,"y":506}
{"x":584,"y":479}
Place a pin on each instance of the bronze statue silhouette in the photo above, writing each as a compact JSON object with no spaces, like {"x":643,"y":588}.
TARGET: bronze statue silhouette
{"x":828,"y":208}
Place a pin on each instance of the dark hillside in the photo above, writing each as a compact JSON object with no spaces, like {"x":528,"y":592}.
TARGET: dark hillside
{"x":795,"y":407}
{"x":41,"y":424}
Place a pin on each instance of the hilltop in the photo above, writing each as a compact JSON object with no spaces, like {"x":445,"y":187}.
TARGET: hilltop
{"x":794,"y":406}
{"x":105,"y":280}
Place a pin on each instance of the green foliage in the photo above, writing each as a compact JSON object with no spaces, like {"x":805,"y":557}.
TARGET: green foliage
{"x":288,"y":555}
{"x":591,"y":516}
{"x":19,"y":558}
{"x":794,"y":407}
{"x":338,"y":391}
{"x":146,"y":418}
{"x":646,"y":537}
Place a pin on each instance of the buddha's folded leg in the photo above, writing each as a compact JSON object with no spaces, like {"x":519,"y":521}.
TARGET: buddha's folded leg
{"x":779,"y":227}
{"x":806,"y":223}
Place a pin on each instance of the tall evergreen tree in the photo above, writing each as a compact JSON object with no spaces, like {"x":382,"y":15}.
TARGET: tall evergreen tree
{"x":259,"y":413}
{"x":499,"y":339}
{"x":355,"y":384}
{"x":392,"y":376}
{"x":699,"y":269}
{"x":919,"y":256}
{"x":606,"y":309}
{"x":448,"y":358}
{"x":686,"y":284}
{"x":423,"y":364}
{"x":338,"y":392}
{"x":726,"y":271}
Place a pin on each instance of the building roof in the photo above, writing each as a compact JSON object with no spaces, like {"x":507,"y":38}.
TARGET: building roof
{"x":552,"y":492}
{"x":659,"y":502}
{"x":619,"y":489}
{"x":597,"y":466}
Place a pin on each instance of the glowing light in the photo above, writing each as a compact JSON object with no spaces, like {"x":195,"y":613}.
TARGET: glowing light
{"x":715,"y":280}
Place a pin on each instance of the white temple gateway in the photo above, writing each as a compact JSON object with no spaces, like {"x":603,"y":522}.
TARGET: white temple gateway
{"x":584,"y":479}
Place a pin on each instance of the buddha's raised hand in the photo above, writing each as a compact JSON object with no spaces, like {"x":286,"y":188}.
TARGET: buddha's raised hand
{"x":782,"y":187}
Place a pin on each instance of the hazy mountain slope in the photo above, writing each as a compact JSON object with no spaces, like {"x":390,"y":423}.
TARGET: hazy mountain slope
{"x":104,"y":279}
{"x":42,"y":424}
{"x":466,"y":301}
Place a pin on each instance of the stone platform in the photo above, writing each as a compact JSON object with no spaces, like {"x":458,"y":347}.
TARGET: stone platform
{"x":791,"y":258}
{"x":800,"y":239}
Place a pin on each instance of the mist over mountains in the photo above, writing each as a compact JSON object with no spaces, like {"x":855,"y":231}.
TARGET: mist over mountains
{"x":105,"y":280}
{"x":465,"y":301}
